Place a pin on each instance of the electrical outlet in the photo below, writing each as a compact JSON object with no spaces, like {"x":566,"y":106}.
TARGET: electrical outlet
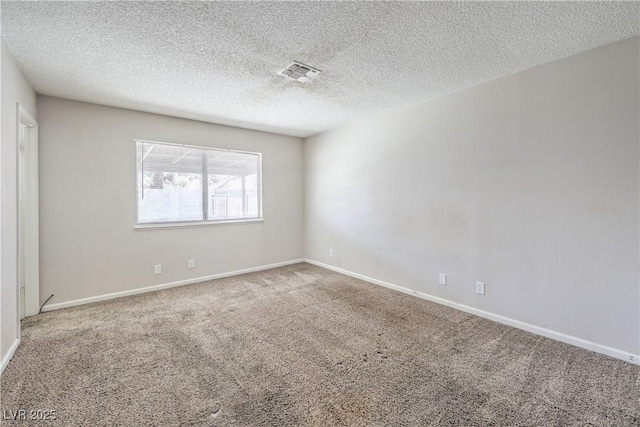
{"x":443,"y":279}
{"x":157,"y":269}
{"x":192,"y":263}
{"x":330,"y":252}
{"x":480,"y":288}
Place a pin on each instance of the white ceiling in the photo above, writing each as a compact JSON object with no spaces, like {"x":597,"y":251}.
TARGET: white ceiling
{"x":217,"y":62}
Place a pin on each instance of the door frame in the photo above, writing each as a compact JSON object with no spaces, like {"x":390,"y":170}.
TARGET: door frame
{"x":29,"y":218}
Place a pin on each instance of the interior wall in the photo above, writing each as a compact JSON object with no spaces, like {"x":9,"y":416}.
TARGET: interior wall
{"x":15,"y":89}
{"x":88,"y":244}
{"x":529,"y":183}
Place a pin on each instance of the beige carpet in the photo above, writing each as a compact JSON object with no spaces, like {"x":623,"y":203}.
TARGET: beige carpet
{"x":301,"y":345}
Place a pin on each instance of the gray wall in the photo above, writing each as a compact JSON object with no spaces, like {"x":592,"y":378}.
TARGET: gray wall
{"x":88,"y":245}
{"x":15,"y":89}
{"x":529,"y":183}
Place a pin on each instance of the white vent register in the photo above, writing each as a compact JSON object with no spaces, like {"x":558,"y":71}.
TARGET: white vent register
{"x":299,"y":72}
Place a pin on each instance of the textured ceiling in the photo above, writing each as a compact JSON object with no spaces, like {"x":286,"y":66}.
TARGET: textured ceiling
{"x":217,"y":62}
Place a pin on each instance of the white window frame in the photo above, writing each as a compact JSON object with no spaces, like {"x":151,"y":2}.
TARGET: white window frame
{"x":195,"y":223}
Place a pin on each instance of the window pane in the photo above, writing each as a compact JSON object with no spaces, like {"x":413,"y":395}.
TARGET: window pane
{"x":169,"y":183}
{"x":171,"y":187}
{"x":233,"y":185}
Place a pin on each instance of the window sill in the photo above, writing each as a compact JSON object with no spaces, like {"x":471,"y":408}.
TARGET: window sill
{"x":165,"y":225}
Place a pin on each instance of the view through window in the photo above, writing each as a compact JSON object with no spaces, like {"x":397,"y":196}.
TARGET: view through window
{"x":181,"y":183}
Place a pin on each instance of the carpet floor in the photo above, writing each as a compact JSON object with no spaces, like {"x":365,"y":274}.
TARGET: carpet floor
{"x":301,"y":345}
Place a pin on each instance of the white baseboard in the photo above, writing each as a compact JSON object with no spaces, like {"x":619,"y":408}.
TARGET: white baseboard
{"x":113,"y":295}
{"x":7,"y":358}
{"x":558,"y":336}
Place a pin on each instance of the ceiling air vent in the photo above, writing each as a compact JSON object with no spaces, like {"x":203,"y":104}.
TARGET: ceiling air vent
{"x":299,"y":72}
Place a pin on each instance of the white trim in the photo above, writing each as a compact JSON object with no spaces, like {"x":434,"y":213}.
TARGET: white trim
{"x":152,"y":288}
{"x":161,"y":225}
{"x":7,"y":358}
{"x":201,"y":147}
{"x":32,"y":231}
{"x":558,"y":336}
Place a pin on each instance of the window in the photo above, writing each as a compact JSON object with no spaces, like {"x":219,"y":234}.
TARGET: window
{"x":188,"y":184}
